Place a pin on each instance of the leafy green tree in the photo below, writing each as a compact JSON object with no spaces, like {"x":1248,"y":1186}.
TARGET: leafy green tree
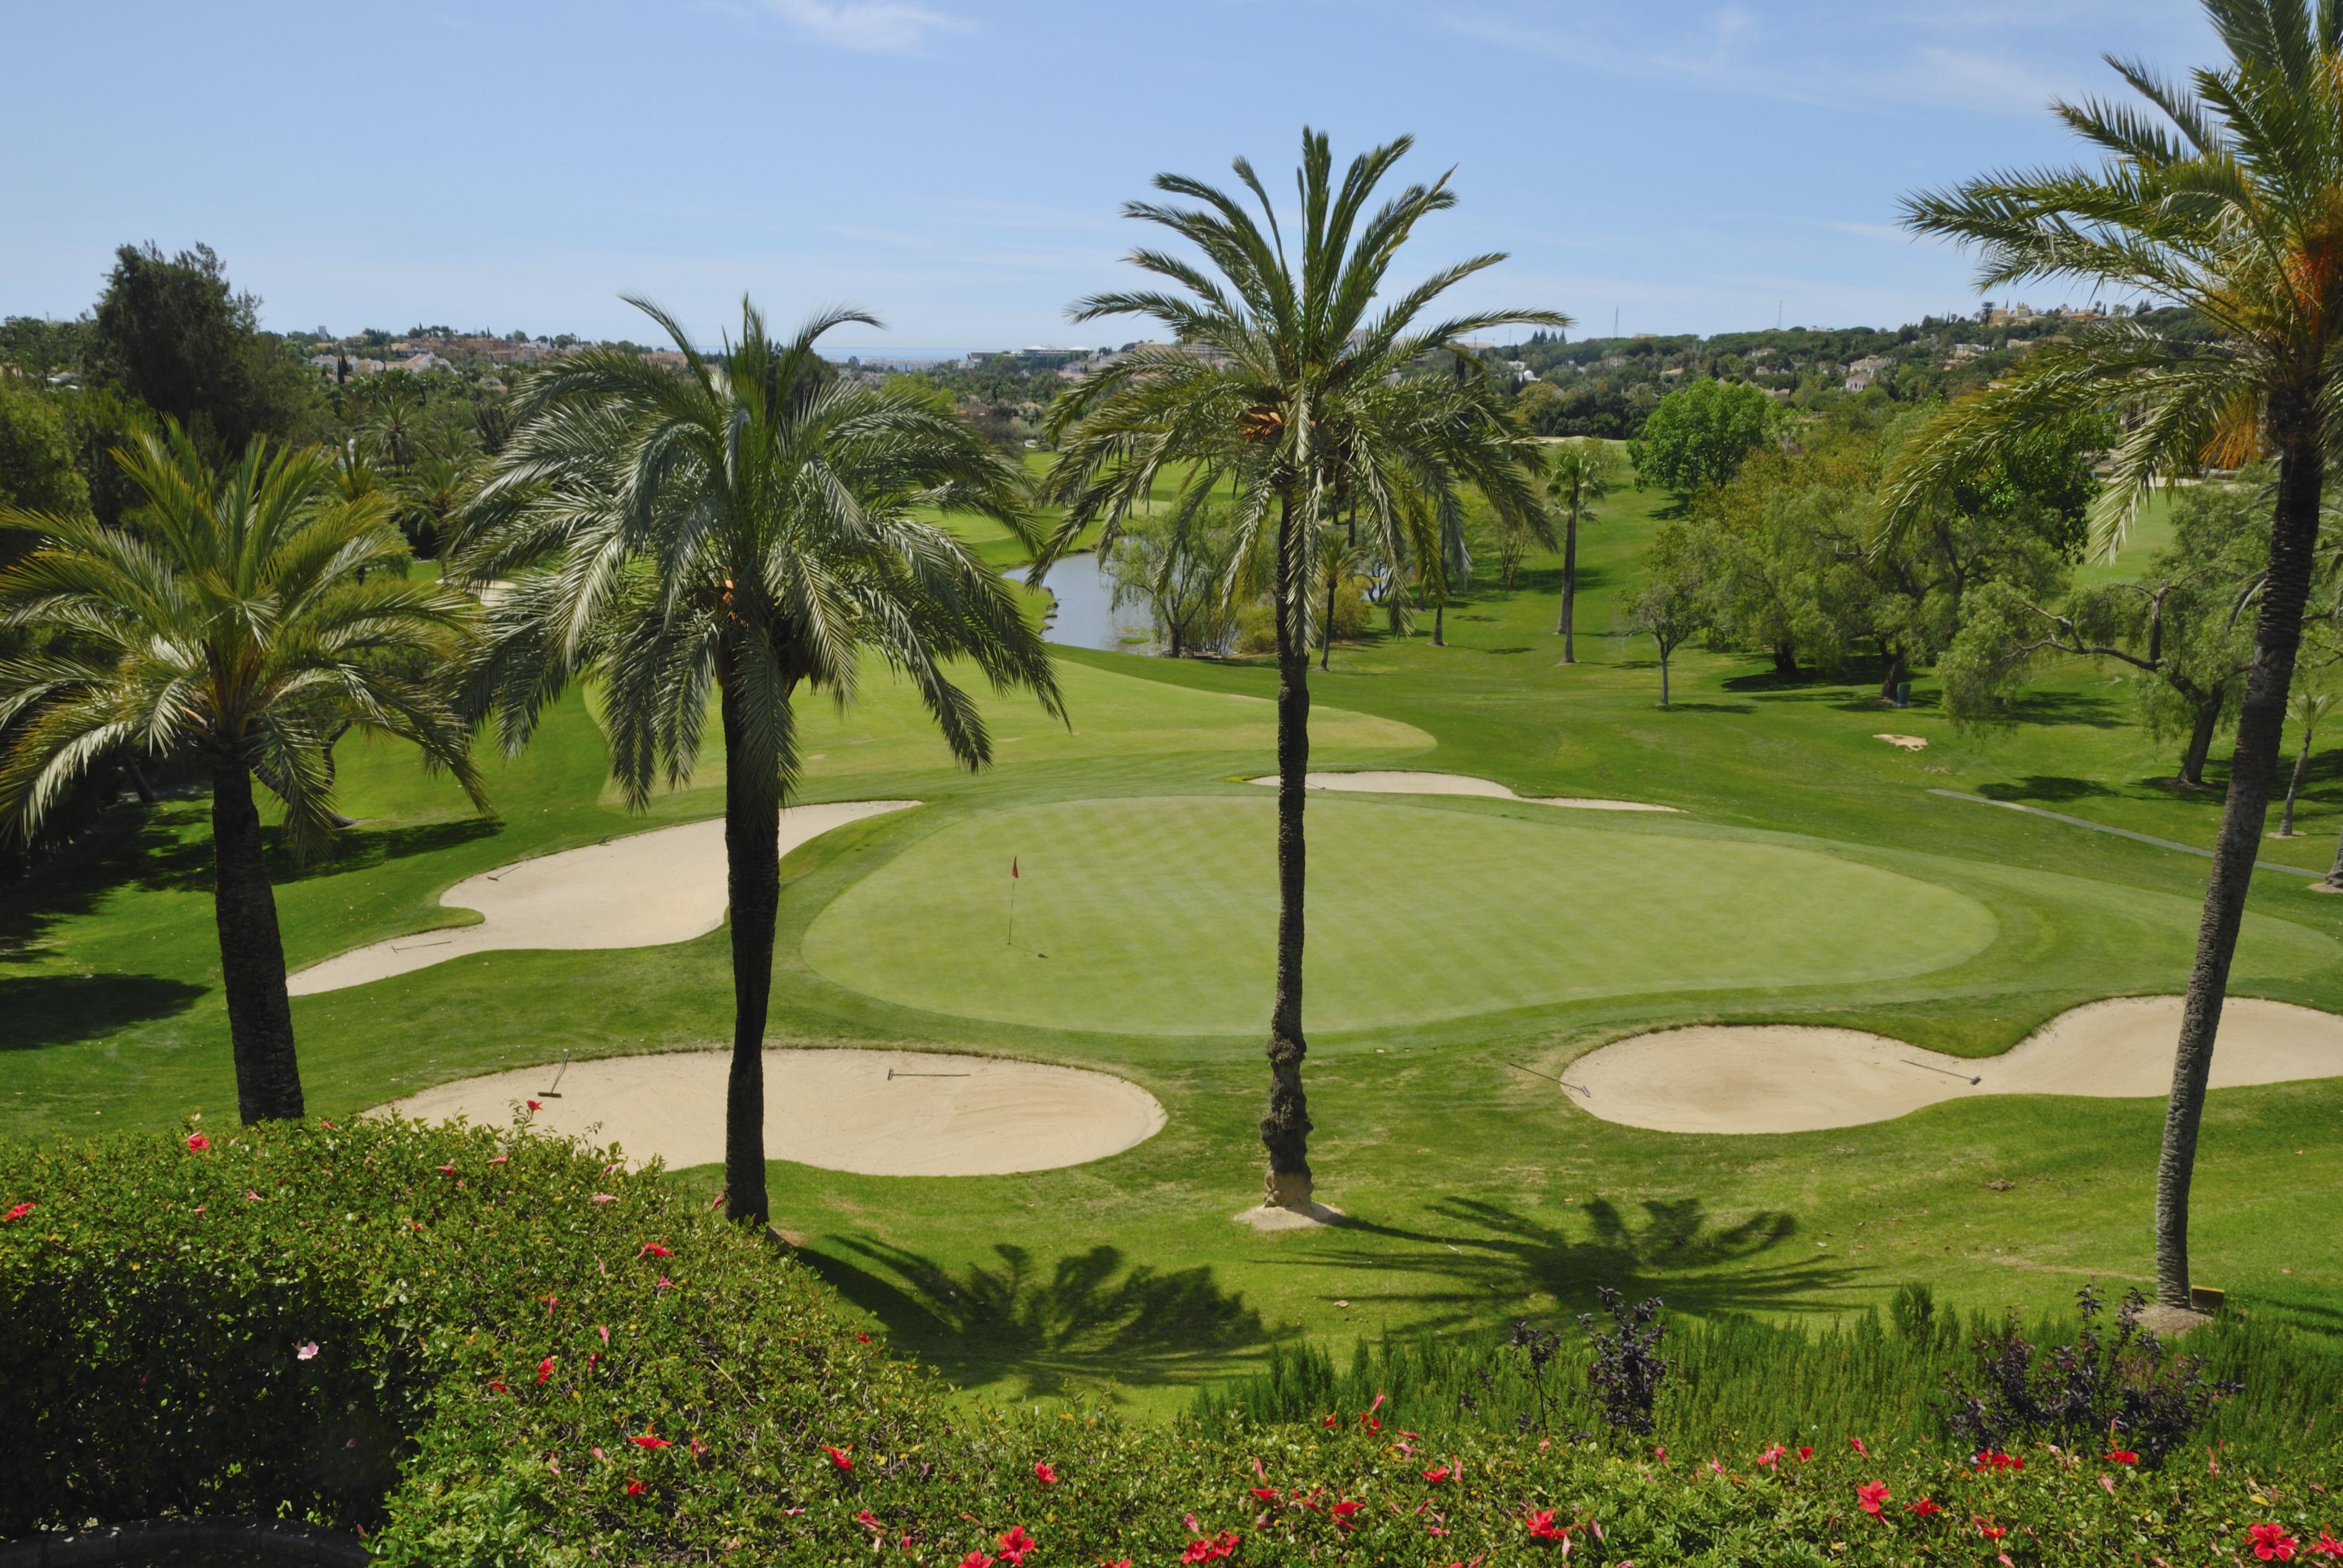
{"x":1583,"y":472}
{"x":251,"y":616}
{"x":2220,"y":196}
{"x":171,"y":333}
{"x":37,"y":467}
{"x":1700,"y":435}
{"x":1295,"y":378}
{"x":1677,"y":599}
{"x":1178,"y":566}
{"x":743,"y":529}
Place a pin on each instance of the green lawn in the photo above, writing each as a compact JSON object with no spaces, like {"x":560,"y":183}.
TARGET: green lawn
{"x":1812,"y":877}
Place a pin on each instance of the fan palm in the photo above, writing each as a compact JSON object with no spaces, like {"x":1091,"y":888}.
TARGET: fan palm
{"x":1582,"y":474}
{"x":2224,"y":195}
{"x":1288,"y":382}
{"x":248,"y":618}
{"x":741,"y":529}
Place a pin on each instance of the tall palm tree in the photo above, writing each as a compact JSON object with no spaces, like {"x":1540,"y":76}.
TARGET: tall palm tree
{"x":741,"y":529}
{"x":2306,"y":708}
{"x":1582,"y":474}
{"x":1288,"y":381}
{"x":245,"y":617}
{"x":2224,"y":195}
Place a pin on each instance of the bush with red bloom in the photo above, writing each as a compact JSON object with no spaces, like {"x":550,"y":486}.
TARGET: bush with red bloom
{"x":1439,"y":1473}
{"x":1856,"y":1443}
{"x":2271,"y":1543}
{"x":1014,"y":1545}
{"x":840,"y":1458}
{"x":1345,"y":1512}
{"x":1044,"y":1474}
{"x":869,"y":1520}
{"x":651,"y":1440}
{"x":974,"y":1559}
{"x":1806,"y":1453}
{"x":1995,"y":1460}
{"x":545,"y":1368}
{"x":634,"y":1488}
{"x":1772,"y":1456}
{"x":1871,"y":1497}
{"x":2326,"y":1545}
{"x":496,"y":1386}
{"x":197,"y":1143}
{"x":1211,"y":1549}
{"x":653,"y":1250}
{"x":1927,"y":1505}
{"x":1541,"y":1527}
{"x":18,"y":1212}
{"x":1990,"y":1530}
{"x":1332,"y":1420}
{"x":1266,"y":1494}
{"x":2120,"y":1456}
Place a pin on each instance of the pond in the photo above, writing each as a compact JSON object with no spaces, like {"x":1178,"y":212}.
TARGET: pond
{"x":1084,"y":614}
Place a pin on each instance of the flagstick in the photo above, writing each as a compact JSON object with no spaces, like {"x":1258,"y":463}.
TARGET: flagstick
{"x":1012,"y":906}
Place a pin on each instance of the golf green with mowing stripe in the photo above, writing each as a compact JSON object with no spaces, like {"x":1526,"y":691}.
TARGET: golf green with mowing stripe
{"x":1157,"y":915}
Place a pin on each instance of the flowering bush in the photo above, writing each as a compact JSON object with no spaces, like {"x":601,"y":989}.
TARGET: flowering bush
{"x":441,"y":1336}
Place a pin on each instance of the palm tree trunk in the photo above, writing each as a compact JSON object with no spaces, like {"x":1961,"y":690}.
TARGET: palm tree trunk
{"x":2334,"y":872}
{"x":752,"y":873}
{"x":1326,"y":632}
{"x":1439,"y":621}
{"x":2200,"y":745}
{"x":1285,"y":1130}
{"x":2294,"y":785}
{"x":2261,"y":723}
{"x":1569,"y":587}
{"x":252,"y":955}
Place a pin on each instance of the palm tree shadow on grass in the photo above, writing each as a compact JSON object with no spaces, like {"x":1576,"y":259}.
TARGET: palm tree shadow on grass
{"x":1494,"y":1256}
{"x":1087,"y":1316}
{"x":40,"y":1010}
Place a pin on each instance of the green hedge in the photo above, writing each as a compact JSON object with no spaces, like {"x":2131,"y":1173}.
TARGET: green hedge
{"x":463,"y":1407}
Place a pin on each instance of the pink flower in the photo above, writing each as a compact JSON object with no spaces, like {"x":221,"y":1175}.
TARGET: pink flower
{"x":544,"y":1369}
{"x":840,"y":1458}
{"x":603,"y":1330}
{"x":869,"y":1520}
{"x":198,"y":1143}
{"x":446,"y":1169}
{"x":501,"y":1160}
{"x":1772,"y":1456}
{"x":1660,"y":1452}
{"x":664,"y":1284}
{"x":252,"y":1197}
{"x":2271,"y":1543}
{"x":653,"y":1250}
{"x":649,"y":1440}
{"x":1856,"y":1443}
{"x":1439,"y":1473}
{"x":18,"y":1212}
{"x":1715,"y":1466}
{"x":718,"y":1202}
{"x":1014,"y":1544}
{"x":305,"y":1351}
{"x":606,"y":1197}
{"x":1871,"y":1497}
{"x":1043,"y":1473}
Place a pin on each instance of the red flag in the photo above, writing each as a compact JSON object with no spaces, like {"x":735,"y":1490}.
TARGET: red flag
{"x":1013,"y":865}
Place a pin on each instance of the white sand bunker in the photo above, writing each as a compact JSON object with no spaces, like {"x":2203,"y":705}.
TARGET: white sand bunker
{"x":1776,"y":1077}
{"x":643,"y":891}
{"x":873,"y":1112}
{"x":1395,"y":783}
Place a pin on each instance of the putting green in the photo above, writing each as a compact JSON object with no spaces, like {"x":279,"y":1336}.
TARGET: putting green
{"x":1157,"y":916}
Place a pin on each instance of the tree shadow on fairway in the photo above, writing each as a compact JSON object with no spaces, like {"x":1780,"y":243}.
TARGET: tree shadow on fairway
{"x":37,"y":1011}
{"x":1492,"y":1256}
{"x":1085,"y":1315}
{"x":2043,"y":787}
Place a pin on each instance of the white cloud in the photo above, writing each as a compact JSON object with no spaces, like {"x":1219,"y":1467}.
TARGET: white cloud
{"x":874,"y":26}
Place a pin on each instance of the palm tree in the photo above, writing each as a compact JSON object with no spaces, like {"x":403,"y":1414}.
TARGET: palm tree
{"x":743,"y":529}
{"x":1582,"y":474}
{"x":1289,"y":383}
{"x":2224,"y":194}
{"x":248,"y":617}
{"x":2306,"y":708}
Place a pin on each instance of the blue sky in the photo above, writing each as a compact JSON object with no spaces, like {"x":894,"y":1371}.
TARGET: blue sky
{"x":956,"y":166}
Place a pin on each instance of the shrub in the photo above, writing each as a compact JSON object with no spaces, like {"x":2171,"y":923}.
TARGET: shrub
{"x":458,"y":1286}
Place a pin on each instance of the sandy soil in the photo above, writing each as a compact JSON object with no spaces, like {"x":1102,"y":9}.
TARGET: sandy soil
{"x":639,"y":892}
{"x":1394,"y":782}
{"x":1773,"y":1078}
{"x":873,"y":1112}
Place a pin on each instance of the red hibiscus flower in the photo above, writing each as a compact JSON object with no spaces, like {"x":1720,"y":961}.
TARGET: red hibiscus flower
{"x":1541,"y":1527}
{"x":1043,"y":1473}
{"x":18,"y":1212}
{"x":1346,"y":1509}
{"x":2271,"y":1544}
{"x":1772,"y":1456}
{"x":496,"y":1386}
{"x":1371,"y":1423}
{"x":2326,"y":1545}
{"x":976,"y":1560}
{"x":862,"y":1339}
{"x":1856,"y":1443}
{"x":1014,"y":1544}
{"x":1991,"y":1531}
{"x":544,"y":1369}
{"x":839,"y":1457}
{"x":1331,"y":1419}
{"x":1871,"y":1497}
{"x":1439,"y":1473}
{"x":1925,"y":1506}
{"x":664,"y":1284}
{"x":634,"y":1488}
{"x":533,"y":1105}
{"x":1211,"y":1550}
{"x":1804,"y":1453}
{"x":198,"y":1143}
{"x":2120,"y":1456}
{"x":1991,"y":1460}
{"x":649,"y":1440}
{"x":1266,"y":1494}
{"x":653,"y":1250}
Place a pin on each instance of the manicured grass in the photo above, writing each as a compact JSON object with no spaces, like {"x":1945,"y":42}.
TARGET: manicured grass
{"x":1478,"y":1192}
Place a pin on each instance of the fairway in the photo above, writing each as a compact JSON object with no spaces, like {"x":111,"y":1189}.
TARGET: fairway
{"x":1156,"y":915}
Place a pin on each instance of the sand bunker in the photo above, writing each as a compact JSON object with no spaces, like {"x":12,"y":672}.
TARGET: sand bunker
{"x":873,"y":1112}
{"x":1774,"y":1077}
{"x":1395,"y":783}
{"x":643,"y":891}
